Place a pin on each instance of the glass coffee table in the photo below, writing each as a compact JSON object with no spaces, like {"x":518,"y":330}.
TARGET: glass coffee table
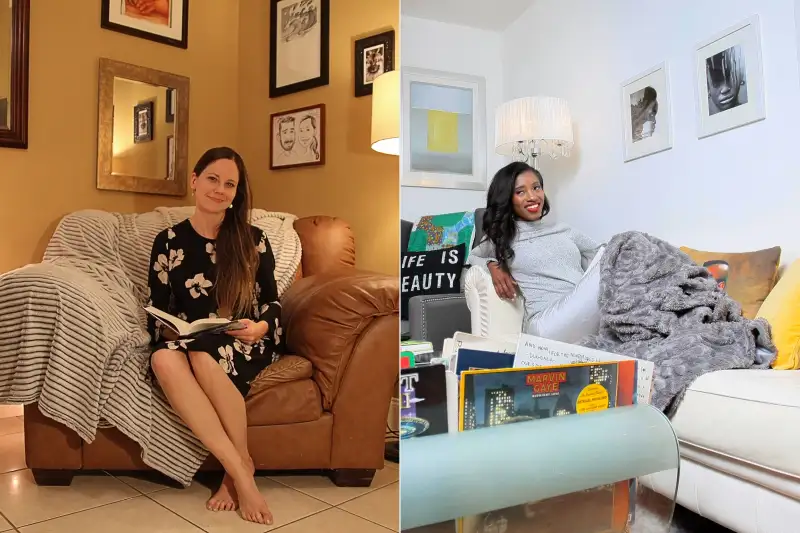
{"x":603,"y":472}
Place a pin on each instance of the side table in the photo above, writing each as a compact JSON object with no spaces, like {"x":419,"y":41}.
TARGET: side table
{"x":548,"y":476}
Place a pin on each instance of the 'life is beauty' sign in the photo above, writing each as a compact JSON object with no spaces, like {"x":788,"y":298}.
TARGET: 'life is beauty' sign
{"x":432,"y":272}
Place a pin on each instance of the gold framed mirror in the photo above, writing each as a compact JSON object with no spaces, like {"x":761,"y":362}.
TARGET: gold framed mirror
{"x":14,"y":45}
{"x":143,"y":130}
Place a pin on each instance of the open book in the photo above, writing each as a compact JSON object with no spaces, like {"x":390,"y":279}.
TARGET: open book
{"x":185,"y":329}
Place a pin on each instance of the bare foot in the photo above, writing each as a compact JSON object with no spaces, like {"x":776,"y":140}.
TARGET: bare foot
{"x":252,"y":505}
{"x":225,"y":499}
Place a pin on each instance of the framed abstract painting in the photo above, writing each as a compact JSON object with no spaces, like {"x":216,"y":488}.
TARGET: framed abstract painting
{"x":443,"y":137}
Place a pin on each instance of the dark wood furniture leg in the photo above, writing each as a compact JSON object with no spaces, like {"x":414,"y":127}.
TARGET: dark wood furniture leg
{"x":61,"y":478}
{"x":351,"y":477}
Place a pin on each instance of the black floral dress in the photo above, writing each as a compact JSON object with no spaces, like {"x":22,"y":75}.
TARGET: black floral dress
{"x":181,"y":282}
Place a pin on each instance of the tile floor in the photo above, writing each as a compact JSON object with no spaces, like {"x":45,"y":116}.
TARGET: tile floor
{"x":98,"y":503}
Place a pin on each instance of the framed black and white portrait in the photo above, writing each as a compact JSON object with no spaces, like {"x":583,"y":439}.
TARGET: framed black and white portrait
{"x":646,"y":113}
{"x":374,"y":55}
{"x":730,"y":79}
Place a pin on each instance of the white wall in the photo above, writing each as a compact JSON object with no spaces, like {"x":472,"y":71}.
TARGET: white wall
{"x":735,"y":191}
{"x":447,"y":47}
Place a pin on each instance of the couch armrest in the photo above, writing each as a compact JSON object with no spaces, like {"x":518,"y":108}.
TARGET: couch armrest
{"x":436,"y":317}
{"x":490,"y":315}
{"x":327,"y":315}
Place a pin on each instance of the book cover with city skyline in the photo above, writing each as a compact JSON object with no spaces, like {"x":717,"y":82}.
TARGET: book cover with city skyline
{"x":495,"y":397}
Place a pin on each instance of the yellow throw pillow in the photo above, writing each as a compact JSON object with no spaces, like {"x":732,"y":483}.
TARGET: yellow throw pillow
{"x":747,"y":277}
{"x":782,"y":311}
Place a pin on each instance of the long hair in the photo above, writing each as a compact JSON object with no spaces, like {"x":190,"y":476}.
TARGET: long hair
{"x":312,"y":146}
{"x":499,"y":220}
{"x":237,"y":258}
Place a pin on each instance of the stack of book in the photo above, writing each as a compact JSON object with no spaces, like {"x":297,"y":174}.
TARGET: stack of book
{"x":479,"y":383}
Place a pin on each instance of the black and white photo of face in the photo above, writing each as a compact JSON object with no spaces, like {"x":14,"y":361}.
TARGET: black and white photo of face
{"x":143,"y":122}
{"x":644,"y":109}
{"x":373,"y":63}
{"x":726,"y":80}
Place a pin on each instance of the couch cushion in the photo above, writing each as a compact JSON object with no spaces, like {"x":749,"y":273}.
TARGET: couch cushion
{"x":285,"y":403}
{"x":748,"y":415}
{"x":782,"y":310}
{"x":287,"y":368}
{"x":748,"y":277}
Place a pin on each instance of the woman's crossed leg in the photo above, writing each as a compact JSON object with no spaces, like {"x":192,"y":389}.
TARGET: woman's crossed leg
{"x":212,"y":407}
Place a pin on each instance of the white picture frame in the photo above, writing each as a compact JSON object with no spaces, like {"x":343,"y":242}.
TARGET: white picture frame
{"x":452,"y":94}
{"x":731,"y":57}
{"x":646,"y":113}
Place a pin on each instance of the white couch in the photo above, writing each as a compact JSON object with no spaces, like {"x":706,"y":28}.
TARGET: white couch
{"x":738,"y":430}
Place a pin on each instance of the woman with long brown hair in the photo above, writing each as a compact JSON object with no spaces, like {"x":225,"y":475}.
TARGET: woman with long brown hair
{"x":216,"y":265}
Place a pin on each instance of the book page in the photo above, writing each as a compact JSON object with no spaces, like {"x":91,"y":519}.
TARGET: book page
{"x":181,"y":327}
{"x":536,"y":351}
{"x":203,"y":324}
{"x":474,"y":342}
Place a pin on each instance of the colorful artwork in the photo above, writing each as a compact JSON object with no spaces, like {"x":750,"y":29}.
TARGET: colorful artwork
{"x":423,"y":401}
{"x":434,"y":232}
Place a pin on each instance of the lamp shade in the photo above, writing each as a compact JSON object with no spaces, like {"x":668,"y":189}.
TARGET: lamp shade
{"x":533,"y":119}
{"x":386,"y":113}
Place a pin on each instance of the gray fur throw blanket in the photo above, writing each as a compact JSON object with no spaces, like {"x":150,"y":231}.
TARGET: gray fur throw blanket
{"x":657,"y":305}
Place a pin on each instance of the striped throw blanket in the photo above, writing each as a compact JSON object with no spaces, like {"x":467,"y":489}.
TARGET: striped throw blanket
{"x":73,"y":330}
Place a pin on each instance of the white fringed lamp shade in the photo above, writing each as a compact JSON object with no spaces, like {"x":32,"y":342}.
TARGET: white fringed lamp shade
{"x":386,"y":113}
{"x":534,"y":125}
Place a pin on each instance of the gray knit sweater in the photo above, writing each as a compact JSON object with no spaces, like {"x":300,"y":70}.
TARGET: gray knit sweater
{"x":549,"y":260}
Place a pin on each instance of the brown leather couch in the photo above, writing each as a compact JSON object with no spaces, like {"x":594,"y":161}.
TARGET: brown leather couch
{"x":324,"y":408}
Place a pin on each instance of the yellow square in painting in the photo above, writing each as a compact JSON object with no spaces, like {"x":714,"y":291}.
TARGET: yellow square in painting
{"x":442,"y":132}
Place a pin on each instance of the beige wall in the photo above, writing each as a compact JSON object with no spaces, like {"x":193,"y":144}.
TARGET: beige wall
{"x":228,"y":65}
{"x":356,"y":183}
{"x":57,"y":174}
{"x":5,"y":49}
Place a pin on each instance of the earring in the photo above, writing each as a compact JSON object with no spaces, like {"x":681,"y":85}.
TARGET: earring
{"x":230,"y":206}
{"x":192,"y":192}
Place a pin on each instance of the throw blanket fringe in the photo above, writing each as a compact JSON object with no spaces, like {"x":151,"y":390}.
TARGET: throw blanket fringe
{"x":73,"y":332}
{"x":657,"y":305}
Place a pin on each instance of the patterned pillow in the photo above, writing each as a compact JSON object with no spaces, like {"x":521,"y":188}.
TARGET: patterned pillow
{"x":747,"y":277}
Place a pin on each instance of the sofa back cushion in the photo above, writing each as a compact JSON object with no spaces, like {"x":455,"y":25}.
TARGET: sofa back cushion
{"x":747,"y":277}
{"x":782,"y":310}
{"x":328,"y":244}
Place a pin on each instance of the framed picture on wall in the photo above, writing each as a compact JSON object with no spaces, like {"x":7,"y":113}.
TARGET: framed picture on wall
{"x":170,"y":107}
{"x":646,"y":113}
{"x":373,"y":56}
{"x":730,"y":79}
{"x":299,"y":45}
{"x":297,"y":138}
{"x":162,"y":21}
{"x":443,"y":135}
{"x":143,"y":122}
